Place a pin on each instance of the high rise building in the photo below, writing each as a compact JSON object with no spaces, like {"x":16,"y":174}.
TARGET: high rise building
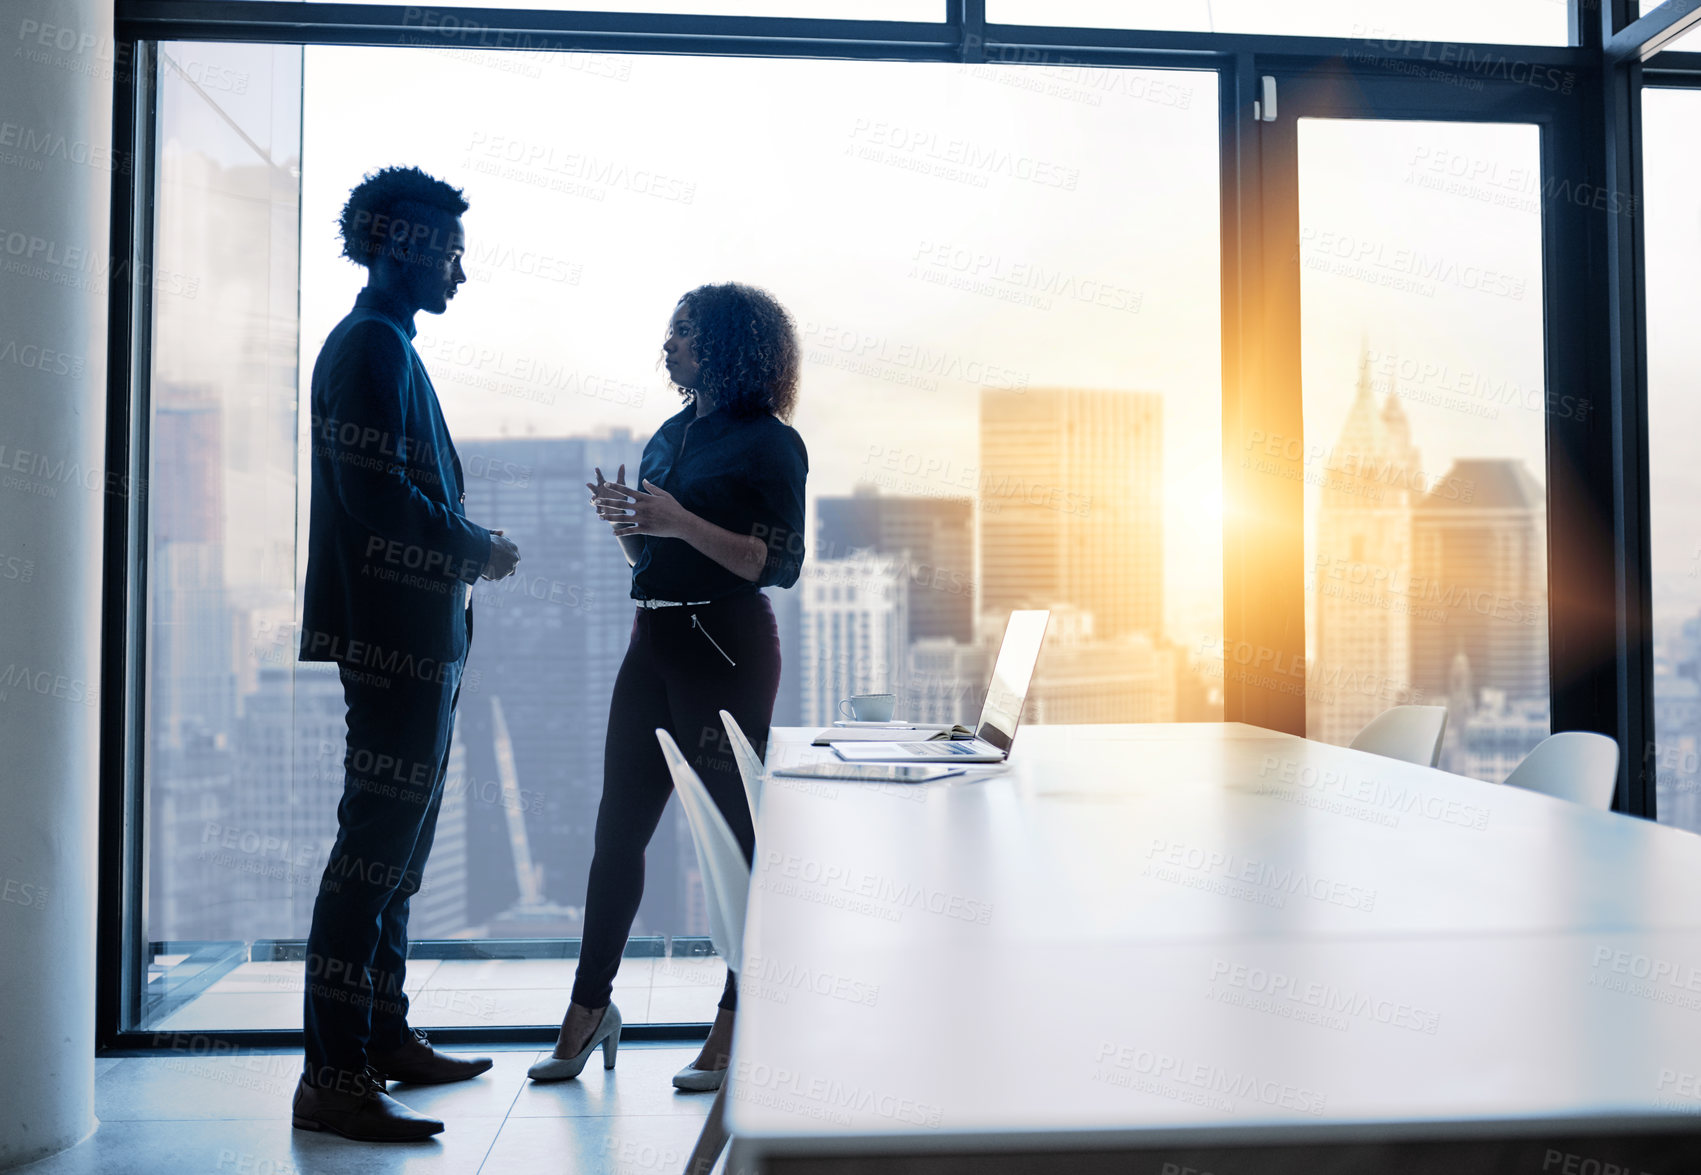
{"x":853,"y":622}
{"x":188,"y":886}
{"x":1071,"y":505}
{"x":548,"y":641}
{"x":1495,"y":734}
{"x":271,"y":844}
{"x":1479,"y":593}
{"x":945,"y":680}
{"x":788,"y":619}
{"x":191,"y":669}
{"x":1675,"y":757}
{"x":932,"y":540}
{"x":1362,"y":640}
{"x":192,"y":679}
{"x":222,"y":507}
{"x":439,"y":909}
{"x":1078,"y":678}
{"x":1081,"y":679}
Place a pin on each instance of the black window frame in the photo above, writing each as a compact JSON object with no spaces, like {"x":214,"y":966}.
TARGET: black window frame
{"x":1600,"y":641}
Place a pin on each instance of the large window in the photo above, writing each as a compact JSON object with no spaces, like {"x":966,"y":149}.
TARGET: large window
{"x":1425,"y":432}
{"x":1006,"y":284}
{"x":1672,"y":181}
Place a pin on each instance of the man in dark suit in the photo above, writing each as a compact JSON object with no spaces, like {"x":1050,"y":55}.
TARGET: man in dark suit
{"x":391,"y":560}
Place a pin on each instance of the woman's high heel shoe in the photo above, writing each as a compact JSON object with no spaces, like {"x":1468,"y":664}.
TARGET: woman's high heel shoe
{"x":695,"y":1080}
{"x":607,"y":1035}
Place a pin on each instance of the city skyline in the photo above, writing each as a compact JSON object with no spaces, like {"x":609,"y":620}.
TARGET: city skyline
{"x":1427,"y":592}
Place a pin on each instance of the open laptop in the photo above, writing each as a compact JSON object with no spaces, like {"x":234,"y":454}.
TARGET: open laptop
{"x":1006,"y":693}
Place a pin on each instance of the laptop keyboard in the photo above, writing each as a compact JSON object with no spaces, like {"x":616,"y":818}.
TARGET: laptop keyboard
{"x":942,"y":749}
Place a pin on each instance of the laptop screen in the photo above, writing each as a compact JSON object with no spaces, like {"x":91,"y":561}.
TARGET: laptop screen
{"x":1010,"y":677}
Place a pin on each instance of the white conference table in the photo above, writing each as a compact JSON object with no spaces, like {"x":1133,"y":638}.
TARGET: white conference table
{"x":1144,"y":942}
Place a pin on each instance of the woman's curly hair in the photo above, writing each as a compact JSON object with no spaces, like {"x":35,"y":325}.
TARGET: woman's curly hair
{"x":747,"y":350}
{"x":387,"y":199}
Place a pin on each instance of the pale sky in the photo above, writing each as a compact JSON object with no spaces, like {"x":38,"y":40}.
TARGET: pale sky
{"x":1672,"y":181}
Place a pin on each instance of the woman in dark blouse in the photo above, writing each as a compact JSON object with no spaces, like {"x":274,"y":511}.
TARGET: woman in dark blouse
{"x":717,"y":515}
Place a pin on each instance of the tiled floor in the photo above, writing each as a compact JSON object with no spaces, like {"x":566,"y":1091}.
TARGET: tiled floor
{"x":468,"y":993}
{"x":230,"y":1116}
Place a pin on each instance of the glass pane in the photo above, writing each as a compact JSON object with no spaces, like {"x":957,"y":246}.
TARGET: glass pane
{"x":434,"y":21}
{"x":1514,"y":22}
{"x":1426,"y":518}
{"x":1010,"y":395}
{"x":220,"y":767}
{"x":1672,"y":183}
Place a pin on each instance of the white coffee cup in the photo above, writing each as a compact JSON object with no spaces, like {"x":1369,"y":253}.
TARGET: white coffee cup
{"x":868,"y":707}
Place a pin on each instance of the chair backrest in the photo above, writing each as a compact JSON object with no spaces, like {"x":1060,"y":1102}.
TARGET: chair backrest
{"x":749,"y":763}
{"x":726,"y":875}
{"x":1575,"y":765}
{"x":1409,"y":733}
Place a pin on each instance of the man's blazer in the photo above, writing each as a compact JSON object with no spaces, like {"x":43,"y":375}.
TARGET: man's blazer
{"x":390,"y":554}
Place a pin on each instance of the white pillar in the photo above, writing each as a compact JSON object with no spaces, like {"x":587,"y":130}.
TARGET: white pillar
{"x":57,"y":62}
